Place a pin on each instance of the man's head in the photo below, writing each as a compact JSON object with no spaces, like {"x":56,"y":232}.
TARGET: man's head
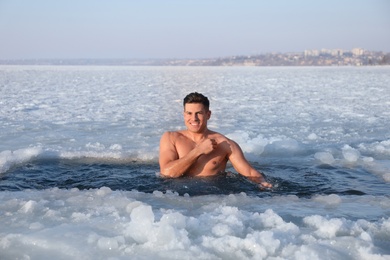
{"x":196,"y":97}
{"x":196,"y":112}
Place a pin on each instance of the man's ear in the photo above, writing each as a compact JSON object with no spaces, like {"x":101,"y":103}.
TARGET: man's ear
{"x":208,"y":114}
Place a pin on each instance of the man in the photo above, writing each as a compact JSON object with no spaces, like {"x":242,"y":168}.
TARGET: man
{"x":198,"y":151}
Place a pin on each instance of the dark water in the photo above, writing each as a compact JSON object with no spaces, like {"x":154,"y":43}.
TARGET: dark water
{"x":303,"y":181}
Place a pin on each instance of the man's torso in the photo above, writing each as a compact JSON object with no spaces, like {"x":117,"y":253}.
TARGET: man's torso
{"x":207,"y":164}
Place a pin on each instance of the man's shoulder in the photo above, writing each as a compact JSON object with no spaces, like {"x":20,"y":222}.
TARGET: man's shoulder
{"x":219,"y":136}
{"x":224,"y":139}
{"x":172,"y":135}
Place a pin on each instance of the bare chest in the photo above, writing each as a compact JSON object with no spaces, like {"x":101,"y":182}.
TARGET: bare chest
{"x":206,"y":164}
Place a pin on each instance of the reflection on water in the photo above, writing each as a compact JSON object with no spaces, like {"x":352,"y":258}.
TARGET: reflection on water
{"x":302,"y":181}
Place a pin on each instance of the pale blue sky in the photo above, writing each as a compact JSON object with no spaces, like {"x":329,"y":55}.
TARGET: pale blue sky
{"x":188,"y":29}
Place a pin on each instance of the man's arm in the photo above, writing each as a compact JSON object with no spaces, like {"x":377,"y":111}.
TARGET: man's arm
{"x":242,"y":166}
{"x":170,"y":163}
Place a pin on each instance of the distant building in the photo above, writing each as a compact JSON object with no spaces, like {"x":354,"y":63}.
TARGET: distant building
{"x":311,"y":53}
{"x":357,"y":51}
{"x":316,"y":53}
{"x":337,"y":52}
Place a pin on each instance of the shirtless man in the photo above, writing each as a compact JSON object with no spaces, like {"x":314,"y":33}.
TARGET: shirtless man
{"x":199,"y":151}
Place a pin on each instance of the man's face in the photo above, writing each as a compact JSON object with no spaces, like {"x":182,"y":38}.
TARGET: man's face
{"x":195,"y":117}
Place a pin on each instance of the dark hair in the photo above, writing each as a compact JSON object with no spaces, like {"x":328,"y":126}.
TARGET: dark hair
{"x":196,"y":97}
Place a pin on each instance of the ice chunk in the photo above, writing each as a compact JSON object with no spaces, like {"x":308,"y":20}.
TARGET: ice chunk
{"x":249,"y":145}
{"x":386,"y":177}
{"x":325,"y":157}
{"x":141,"y":225}
{"x":221,"y":230}
{"x":36,"y":226}
{"x":9,"y":159}
{"x":324,"y":228}
{"x":116,"y":147}
{"x":330,"y":200}
{"x":350,"y":154}
{"x":103,"y":191}
{"x":80,"y":217}
{"x":110,"y":243}
{"x":28,"y":207}
{"x":283,"y":146}
{"x":142,"y":214}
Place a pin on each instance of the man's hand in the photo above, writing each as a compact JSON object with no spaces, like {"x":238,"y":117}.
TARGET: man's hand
{"x":265,"y":185}
{"x":207,"y":146}
{"x":262,"y":183}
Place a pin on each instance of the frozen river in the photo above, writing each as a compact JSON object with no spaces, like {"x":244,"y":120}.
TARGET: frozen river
{"x":79,"y":175}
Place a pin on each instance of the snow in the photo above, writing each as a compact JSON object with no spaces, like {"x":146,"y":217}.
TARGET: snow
{"x":103,"y":223}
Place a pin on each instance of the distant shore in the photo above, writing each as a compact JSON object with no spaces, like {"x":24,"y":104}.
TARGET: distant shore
{"x":307,"y":58}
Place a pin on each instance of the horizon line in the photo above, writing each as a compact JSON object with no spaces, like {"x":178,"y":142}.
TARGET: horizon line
{"x":192,"y":58}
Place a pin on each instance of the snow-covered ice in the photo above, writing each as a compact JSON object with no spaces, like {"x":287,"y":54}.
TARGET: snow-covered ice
{"x":335,"y":119}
